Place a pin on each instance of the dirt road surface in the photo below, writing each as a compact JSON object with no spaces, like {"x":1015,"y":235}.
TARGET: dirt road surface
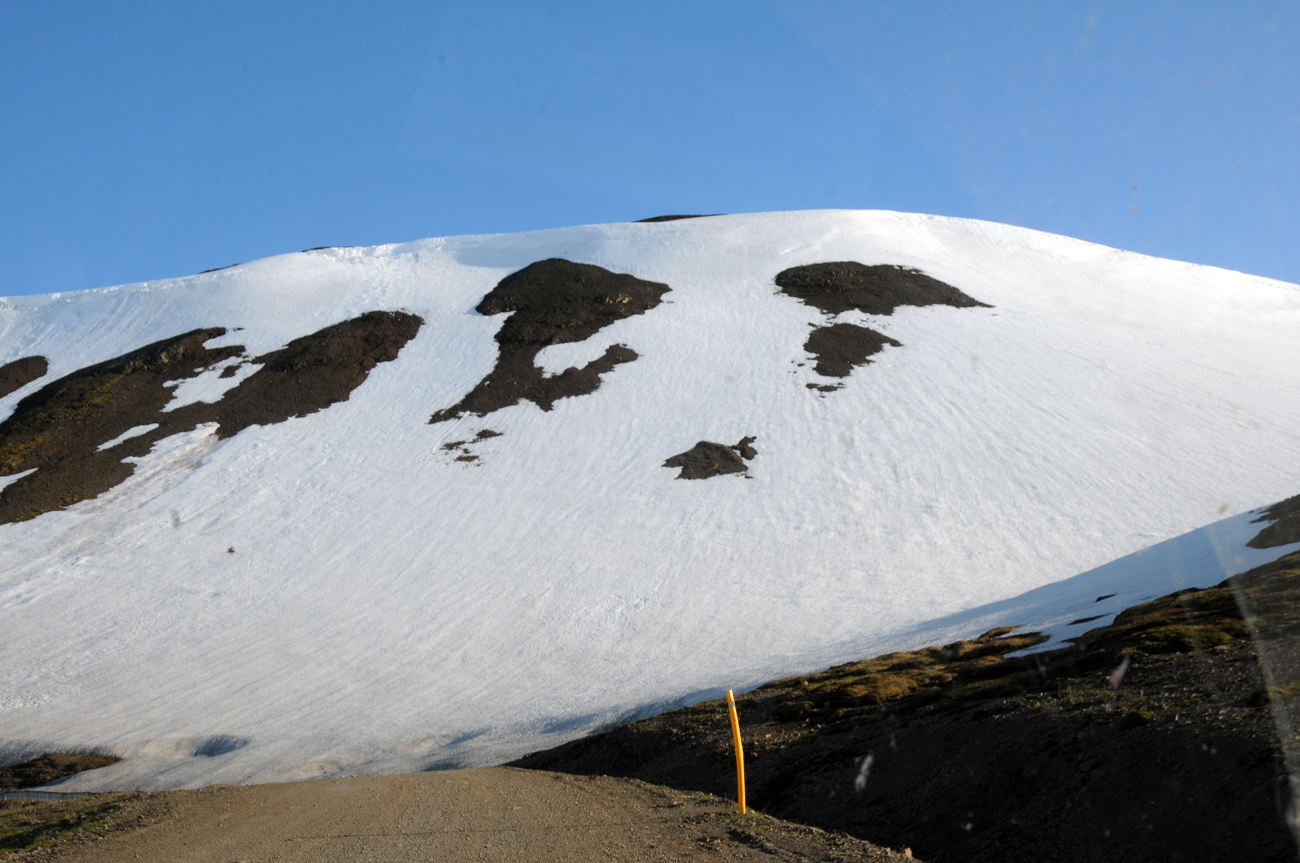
{"x":498,"y":814}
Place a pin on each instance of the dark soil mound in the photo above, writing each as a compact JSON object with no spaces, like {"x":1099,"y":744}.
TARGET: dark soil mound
{"x":840,"y":347}
{"x":843,"y":285}
{"x":20,"y":373}
{"x":675,"y":218}
{"x":554,"y":302}
{"x":1151,"y":739}
{"x":707,"y":459}
{"x":1285,"y":527}
{"x":307,"y":375}
{"x":59,"y":428}
{"x":49,"y":767}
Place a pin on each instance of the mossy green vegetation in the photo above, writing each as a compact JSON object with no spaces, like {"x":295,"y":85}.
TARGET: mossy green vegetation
{"x":32,"y":824}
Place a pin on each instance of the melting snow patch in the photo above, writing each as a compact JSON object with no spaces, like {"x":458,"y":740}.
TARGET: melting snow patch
{"x":6,"y":481}
{"x":555,"y":359}
{"x":211,"y":385}
{"x":134,"y":431}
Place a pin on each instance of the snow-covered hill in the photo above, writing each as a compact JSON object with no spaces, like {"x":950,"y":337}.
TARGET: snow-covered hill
{"x":296,"y":573}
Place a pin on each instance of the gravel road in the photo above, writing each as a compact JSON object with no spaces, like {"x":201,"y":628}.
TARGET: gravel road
{"x":498,"y":814}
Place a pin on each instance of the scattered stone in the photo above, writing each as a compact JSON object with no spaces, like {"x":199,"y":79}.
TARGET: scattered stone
{"x":707,"y":459}
{"x":463,"y":446}
{"x":554,"y":302}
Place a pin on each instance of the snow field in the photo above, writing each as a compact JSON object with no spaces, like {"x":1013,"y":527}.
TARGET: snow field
{"x":387,"y":608}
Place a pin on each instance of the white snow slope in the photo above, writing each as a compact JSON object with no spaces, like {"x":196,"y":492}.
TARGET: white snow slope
{"x":388,"y":608}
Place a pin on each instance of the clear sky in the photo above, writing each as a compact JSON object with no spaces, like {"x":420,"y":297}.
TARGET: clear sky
{"x":142,"y":140}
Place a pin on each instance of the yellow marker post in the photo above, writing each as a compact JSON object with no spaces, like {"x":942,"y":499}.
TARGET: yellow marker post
{"x":740,"y":752}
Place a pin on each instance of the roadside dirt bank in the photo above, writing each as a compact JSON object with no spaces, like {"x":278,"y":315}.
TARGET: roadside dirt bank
{"x":1158,"y":737}
{"x":497,"y":814}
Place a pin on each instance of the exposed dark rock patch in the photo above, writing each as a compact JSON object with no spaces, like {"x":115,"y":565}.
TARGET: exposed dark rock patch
{"x":707,"y":459}
{"x":20,"y":373}
{"x":462,"y":447}
{"x":1285,"y":527}
{"x":840,"y":347}
{"x":58,"y":429}
{"x":1149,"y":739}
{"x":878,"y":290}
{"x":307,"y":375}
{"x":746,"y":448}
{"x":825,"y":388}
{"x":217,"y":269}
{"x":554,"y":302}
{"x":843,"y":286}
{"x":50,"y":767}
{"x":675,"y":218}
{"x":327,"y":248}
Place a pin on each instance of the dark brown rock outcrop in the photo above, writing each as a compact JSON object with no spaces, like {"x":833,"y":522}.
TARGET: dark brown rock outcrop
{"x":553,"y":302}
{"x":1151,"y":739}
{"x":707,"y":459}
{"x":59,"y":429}
{"x":840,"y":347}
{"x":20,"y":373}
{"x":844,"y":285}
{"x":1284,"y":528}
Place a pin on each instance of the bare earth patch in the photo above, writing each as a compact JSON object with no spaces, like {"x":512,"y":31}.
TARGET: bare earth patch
{"x":675,"y":218}
{"x":554,"y":302}
{"x":20,"y":373}
{"x":1150,"y":739}
{"x":707,"y":459}
{"x":501,"y":814}
{"x":1284,"y":528}
{"x":59,"y":429}
{"x":840,"y":347}
{"x":842,"y":286}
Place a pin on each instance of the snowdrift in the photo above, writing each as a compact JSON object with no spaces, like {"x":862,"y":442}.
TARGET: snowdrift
{"x":367,"y":510}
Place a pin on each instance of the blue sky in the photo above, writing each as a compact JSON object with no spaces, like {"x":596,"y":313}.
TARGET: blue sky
{"x":145,"y":140}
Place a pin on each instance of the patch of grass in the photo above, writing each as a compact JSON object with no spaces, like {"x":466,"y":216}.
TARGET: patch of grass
{"x":1136,"y":719}
{"x":32,"y":824}
{"x":918,"y":675}
{"x":963,"y":672}
{"x":1270,"y":694}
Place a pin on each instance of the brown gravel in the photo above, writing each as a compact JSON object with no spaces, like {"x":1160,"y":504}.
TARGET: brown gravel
{"x":499,"y":814}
